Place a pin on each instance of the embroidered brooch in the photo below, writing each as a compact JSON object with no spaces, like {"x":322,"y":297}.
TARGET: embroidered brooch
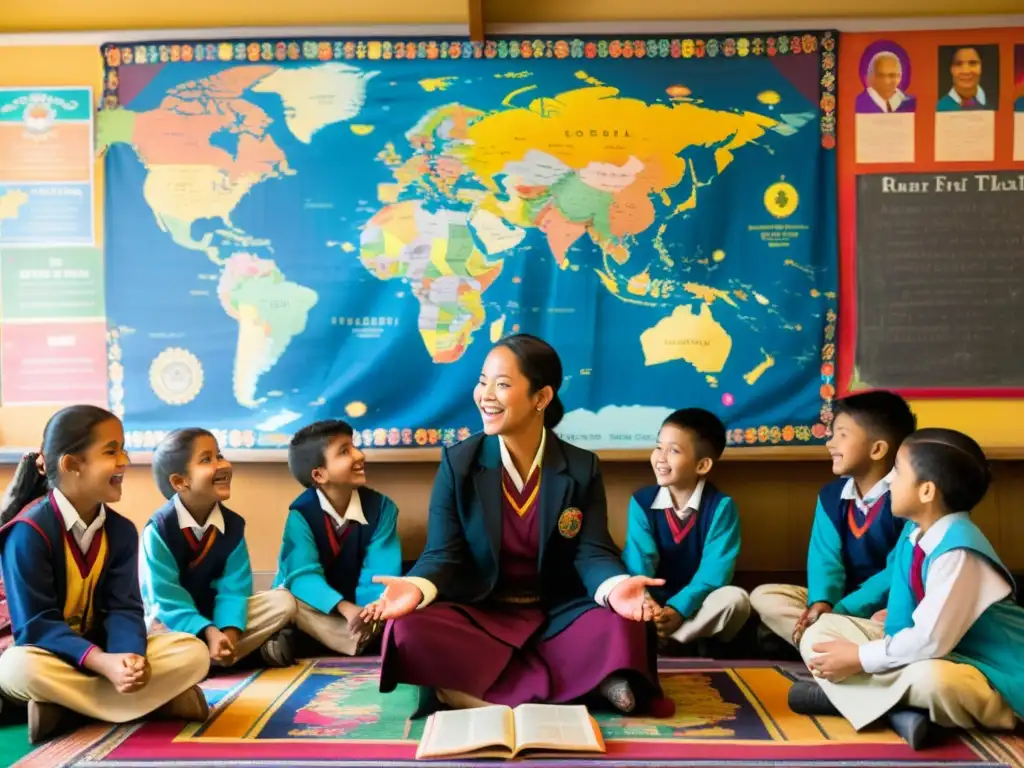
{"x":570,"y":522}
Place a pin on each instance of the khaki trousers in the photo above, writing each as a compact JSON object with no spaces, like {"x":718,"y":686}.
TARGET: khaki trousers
{"x":267,"y":612}
{"x":329,"y":629}
{"x":780,"y":607}
{"x":177,"y":660}
{"x":954,"y":695}
{"x":722,"y":614}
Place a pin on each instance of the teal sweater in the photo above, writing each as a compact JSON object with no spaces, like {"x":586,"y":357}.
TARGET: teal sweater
{"x":993,"y":643}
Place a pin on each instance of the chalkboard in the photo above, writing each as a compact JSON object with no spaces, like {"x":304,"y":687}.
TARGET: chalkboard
{"x":940,"y":281}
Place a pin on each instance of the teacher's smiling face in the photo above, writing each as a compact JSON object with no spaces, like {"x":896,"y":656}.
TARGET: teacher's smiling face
{"x":503,"y":395}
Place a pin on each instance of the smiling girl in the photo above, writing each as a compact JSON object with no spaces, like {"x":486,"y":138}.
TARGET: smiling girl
{"x":70,"y":565}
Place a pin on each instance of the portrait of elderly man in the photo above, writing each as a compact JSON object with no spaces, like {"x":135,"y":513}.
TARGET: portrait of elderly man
{"x":882,"y":80}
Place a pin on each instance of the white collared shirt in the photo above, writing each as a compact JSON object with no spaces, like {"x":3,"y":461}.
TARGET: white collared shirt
{"x":354,"y":512}
{"x":510,"y":467}
{"x":82,"y":534}
{"x":959,"y":587}
{"x":894,"y":101}
{"x":878,"y":490}
{"x":978,"y":97}
{"x":187,"y":522}
{"x":664,"y":501}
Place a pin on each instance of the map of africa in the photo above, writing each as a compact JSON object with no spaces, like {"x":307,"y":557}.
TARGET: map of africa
{"x":292,"y":240}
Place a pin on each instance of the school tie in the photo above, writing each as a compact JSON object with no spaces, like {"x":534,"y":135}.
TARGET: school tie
{"x":916,"y":573}
{"x":888,"y":107}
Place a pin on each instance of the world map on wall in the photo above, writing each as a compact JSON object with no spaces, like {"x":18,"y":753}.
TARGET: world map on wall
{"x":291,"y":239}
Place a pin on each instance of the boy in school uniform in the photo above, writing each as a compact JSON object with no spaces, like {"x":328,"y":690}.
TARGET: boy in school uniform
{"x":195,"y":574}
{"x":854,"y":531}
{"x":949,"y":650}
{"x":339,"y":535}
{"x":687,"y":532}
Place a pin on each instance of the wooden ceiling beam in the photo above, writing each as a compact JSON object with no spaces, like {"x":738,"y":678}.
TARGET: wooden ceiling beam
{"x":476,"y":20}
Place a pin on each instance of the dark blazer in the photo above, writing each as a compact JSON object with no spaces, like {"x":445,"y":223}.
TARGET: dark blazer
{"x":464,"y":528}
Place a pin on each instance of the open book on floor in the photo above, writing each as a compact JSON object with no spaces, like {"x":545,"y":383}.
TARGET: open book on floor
{"x":535,"y":729}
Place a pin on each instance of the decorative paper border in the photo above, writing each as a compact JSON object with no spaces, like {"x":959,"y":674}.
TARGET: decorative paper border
{"x":797,"y":44}
{"x":822,"y":44}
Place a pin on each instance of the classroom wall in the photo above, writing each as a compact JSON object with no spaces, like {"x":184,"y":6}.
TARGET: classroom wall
{"x":776,"y":498}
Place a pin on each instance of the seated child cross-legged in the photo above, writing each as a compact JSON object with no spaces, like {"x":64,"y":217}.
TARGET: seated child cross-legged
{"x":949,"y":651}
{"x":687,"y":532}
{"x":854,"y":531}
{"x":70,"y":566}
{"x":338,"y":536}
{"x":196,"y":575}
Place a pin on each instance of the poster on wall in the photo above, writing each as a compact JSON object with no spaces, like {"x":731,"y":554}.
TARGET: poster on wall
{"x":53,"y":329}
{"x":930,"y":213}
{"x":341,"y":228}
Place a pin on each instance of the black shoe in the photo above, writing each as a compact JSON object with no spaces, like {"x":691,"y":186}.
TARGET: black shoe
{"x":809,"y":699}
{"x":278,"y":649}
{"x":911,"y":725}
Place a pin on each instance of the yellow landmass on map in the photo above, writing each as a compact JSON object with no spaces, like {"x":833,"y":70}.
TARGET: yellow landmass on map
{"x":758,"y":370}
{"x":596,"y":123}
{"x":431,"y":84}
{"x":497,"y":329}
{"x":697,"y":339}
{"x":707,"y":294}
{"x":11,"y":203}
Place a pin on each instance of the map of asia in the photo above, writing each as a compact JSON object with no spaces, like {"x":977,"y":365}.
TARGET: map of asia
{"x":299,"y":230}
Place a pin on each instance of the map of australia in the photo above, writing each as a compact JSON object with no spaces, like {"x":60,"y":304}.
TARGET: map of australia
{"x":476,"y":200}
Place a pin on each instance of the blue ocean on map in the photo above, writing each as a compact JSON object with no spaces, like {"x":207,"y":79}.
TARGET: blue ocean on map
{"x":295,"y":240}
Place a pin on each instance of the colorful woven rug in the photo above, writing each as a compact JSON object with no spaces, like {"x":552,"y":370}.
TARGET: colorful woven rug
{"x":330,"y":713}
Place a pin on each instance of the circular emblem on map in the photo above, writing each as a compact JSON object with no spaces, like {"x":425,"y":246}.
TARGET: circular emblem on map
{"x":570,"y":522}
{"x":781,"y":199}
{"x":176,"y":376}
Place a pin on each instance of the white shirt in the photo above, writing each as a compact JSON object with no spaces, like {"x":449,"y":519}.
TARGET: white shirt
{"x":353,"y":513}
{"x":978,"y":97}
{"x":73,"y":522}
{"x":959,"y":587}
{"x":894,"y":101}
{"x":187,"y":522}
{"x":664,"y":501}
{"x":878,"y":490}
{"x":510,"y":466}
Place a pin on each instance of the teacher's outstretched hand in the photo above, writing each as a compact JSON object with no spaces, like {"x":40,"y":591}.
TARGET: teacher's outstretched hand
{"x":400,"y":598}
{"x":629,"y":598}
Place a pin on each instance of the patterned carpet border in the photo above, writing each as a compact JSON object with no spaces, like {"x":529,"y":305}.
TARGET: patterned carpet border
{"x":734,"y":714}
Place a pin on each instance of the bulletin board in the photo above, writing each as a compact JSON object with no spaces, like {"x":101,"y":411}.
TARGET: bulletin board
{"x":931,"y":173}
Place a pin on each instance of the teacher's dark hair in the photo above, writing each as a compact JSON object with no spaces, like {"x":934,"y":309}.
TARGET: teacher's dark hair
{"x":542,"y":367}
{"x":68,"y":431}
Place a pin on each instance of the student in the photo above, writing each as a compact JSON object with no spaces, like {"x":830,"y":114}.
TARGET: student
{"x":854,"y":531}
{"x":950,"y":649}
{"x":687,"y":532}
{"x":338,"y":536}
{"x":196,"y":576}
{"x":70,"y":566}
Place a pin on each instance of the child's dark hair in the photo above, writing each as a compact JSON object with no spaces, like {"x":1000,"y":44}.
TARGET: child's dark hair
{"x":954,"y":462}
{"x":882,"y":414}
{"x":308,"y":448}
{"x":707,"y":429}
{"x":68,"y":431}
{"x":172,"y":457}
{"x":542,"y":367}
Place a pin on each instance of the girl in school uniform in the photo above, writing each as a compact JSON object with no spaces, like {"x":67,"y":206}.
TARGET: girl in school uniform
{"x":196,"y":575}
{"x":70,"y":566}
{"x":533,"y":603}
{"x":948,"y":651}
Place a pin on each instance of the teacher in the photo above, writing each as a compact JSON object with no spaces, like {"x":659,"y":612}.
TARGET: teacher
{"x":521,"y":593}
